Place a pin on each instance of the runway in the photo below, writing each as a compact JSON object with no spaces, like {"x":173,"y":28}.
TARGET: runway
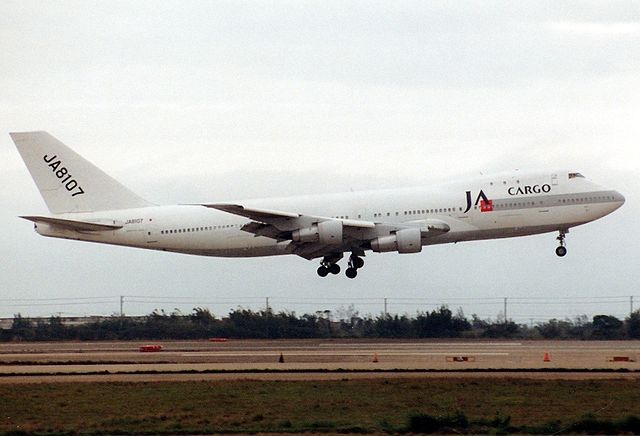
{"x":316,"y":359}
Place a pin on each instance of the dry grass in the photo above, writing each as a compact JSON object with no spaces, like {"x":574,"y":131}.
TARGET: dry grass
{"x":295,"y":406}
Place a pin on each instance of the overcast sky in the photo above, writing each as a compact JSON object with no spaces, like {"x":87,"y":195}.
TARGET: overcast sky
{"x":208,"y":101}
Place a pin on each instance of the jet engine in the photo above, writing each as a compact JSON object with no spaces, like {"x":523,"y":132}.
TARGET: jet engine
{"x":403,"y":241}
{"x":325,"y":232}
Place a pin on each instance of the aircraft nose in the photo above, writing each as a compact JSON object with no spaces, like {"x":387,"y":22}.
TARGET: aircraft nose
{"x":618,"y":198}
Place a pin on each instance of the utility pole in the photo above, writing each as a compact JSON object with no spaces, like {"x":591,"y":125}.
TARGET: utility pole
{"x":121,"y":305}
{"x":267,"y":305}
{"x":630,"y":305}
{"x":385,"y":306}
{"x":505,"y":310}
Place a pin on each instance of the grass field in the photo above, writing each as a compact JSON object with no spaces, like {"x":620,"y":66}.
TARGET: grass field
{"x":365,"y":406}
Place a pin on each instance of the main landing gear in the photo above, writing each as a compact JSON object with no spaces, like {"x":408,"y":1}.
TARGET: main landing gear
{"x":561,"y":250}
{"x":329,"y":265}
{"x":325,"y":269}
{"x":355,"y":263}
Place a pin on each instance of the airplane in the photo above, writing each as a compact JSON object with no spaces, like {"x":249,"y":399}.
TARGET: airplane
{"x":86,"y":204}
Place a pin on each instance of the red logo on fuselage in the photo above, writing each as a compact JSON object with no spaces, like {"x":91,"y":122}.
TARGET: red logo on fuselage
{"x":486,"y":205}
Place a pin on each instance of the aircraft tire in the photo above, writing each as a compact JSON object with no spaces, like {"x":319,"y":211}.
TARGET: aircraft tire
{"x":334,"y":268}
{"x":351,"y":273}
{"x":358,"y":262}
{"x":322,"y":271}
{"x":561,"y":251}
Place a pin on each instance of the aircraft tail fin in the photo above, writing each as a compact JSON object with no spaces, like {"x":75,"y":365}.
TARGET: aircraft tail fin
{"x":67,"y":181}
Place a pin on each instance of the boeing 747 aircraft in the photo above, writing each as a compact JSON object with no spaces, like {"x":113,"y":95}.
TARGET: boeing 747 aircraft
{"x":88,"y":205}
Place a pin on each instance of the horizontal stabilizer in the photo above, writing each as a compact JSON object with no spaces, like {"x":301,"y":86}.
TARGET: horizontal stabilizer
{"x":83,"y":226}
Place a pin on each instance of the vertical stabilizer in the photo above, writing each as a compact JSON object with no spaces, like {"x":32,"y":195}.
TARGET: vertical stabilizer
{"x":67,"y":181}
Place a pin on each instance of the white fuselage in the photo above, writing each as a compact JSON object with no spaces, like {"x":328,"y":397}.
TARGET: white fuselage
{"x":500,"y":206}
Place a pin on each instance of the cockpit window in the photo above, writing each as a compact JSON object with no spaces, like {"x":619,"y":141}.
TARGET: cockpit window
{"x":574,"y":175}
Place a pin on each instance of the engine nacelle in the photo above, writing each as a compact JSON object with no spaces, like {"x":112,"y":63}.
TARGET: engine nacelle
{"x":404,"y":241}
{"x":325,"y":232}
{"x":309,"y":234}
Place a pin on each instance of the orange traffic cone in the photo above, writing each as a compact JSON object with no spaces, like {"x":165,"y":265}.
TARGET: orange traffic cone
{"x":547,"y":357}
{"x":375,"y":358}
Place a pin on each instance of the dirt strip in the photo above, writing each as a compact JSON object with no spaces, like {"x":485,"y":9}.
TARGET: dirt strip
{"x":312,"y":376}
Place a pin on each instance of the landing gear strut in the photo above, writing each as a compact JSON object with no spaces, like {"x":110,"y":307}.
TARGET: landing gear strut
{"x":561,"y":250}
{"x":355,"y":262}
{"x":329,"y":265}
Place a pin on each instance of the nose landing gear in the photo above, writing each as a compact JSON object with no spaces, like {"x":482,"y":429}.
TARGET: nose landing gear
{"x":561,"y":250}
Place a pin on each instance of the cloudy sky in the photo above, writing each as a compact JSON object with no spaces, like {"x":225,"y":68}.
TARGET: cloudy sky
{"x":210,"y":101}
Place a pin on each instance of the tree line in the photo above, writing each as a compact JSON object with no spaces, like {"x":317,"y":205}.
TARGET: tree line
{"x":266,"y":324}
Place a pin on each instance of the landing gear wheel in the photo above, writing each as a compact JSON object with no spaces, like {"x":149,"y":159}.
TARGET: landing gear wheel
{"x":323,"y":271}
{"x":358,"y":262}
{"x":334,"y":269}
{"x":351,"y":273}
{"x":561,"y":250}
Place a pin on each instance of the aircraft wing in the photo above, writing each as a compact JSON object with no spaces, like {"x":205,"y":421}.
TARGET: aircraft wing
{"x":81,"y":226}
{"x":306,"y":231}
{"x":262,"y":215}
{"x":285,"y":220}
{"x":286,"y":226}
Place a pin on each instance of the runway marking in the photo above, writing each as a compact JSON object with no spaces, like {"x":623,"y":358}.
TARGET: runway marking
{"x":426,"y":345}
{"x":355,"y":353}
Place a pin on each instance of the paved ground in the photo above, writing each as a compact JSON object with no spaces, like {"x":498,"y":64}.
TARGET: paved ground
{"x":68,"y":361}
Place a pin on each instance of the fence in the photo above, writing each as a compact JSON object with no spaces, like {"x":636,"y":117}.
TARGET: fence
{"x":518,"y":309}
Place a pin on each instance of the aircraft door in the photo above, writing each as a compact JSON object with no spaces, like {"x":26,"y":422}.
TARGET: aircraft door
{"x":151,"y":231}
